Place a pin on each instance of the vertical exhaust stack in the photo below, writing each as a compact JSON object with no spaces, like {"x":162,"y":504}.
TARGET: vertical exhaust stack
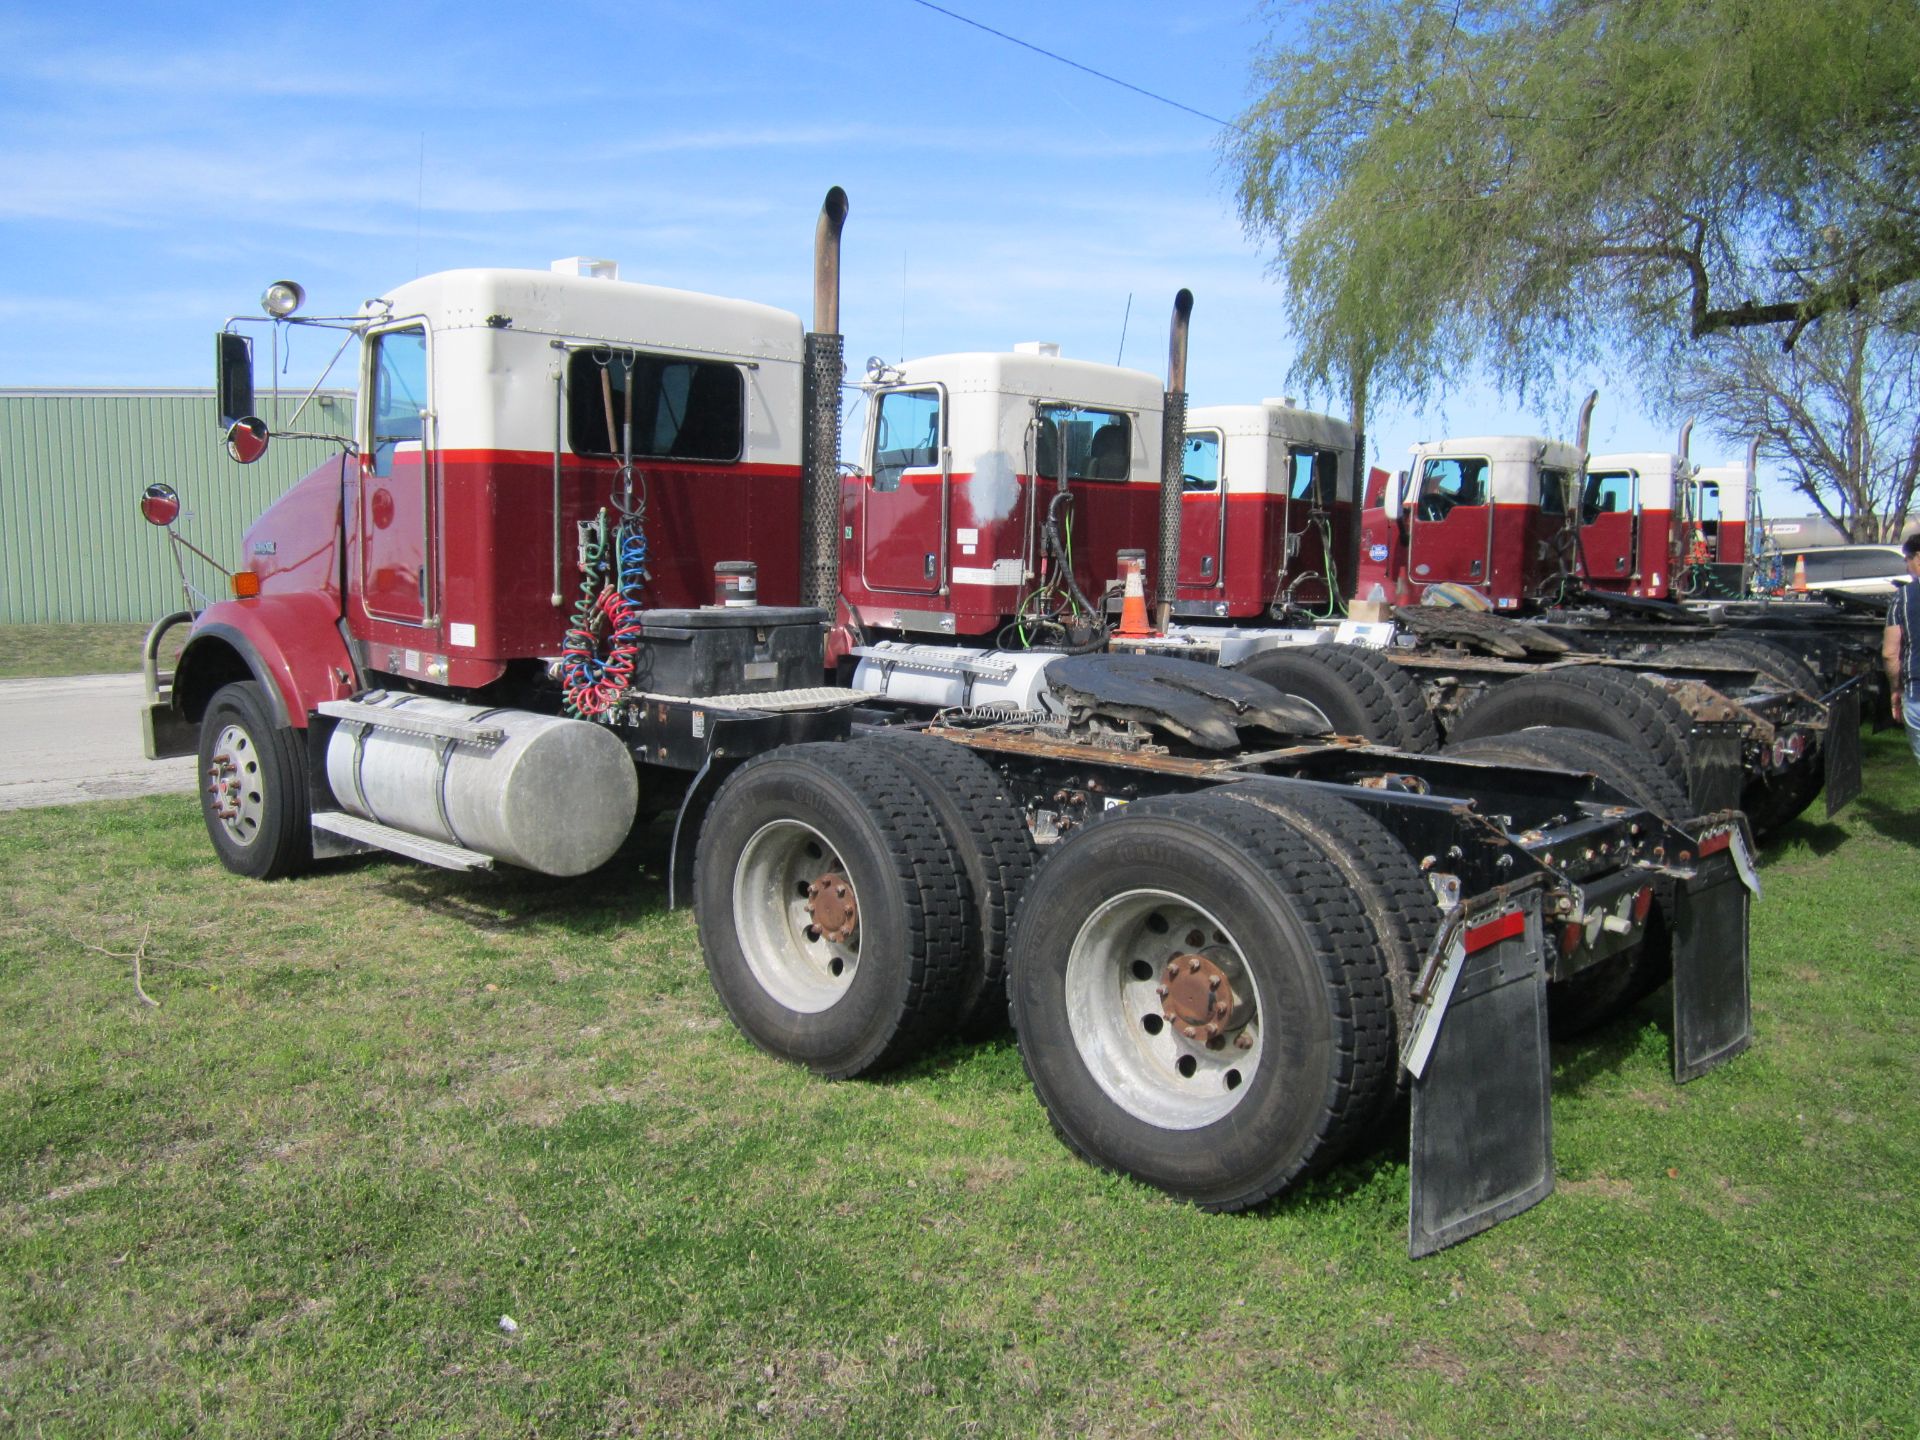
{"x":820,"y":405}
{"x":1173,"y":444}
{"x":1750,"y":508}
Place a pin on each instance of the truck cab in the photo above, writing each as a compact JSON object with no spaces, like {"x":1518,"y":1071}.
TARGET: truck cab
{"x":1270,"y":514}
{"x":942,"y":521}
{"x":439,"y":551}
{"x":1488,"y":513}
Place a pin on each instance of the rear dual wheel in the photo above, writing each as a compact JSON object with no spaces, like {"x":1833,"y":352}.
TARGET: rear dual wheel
{"x":1360,"y":690}
{"x":1616,"y":703}
{"x":825,"y":889}
{"x":1198,"y":1000}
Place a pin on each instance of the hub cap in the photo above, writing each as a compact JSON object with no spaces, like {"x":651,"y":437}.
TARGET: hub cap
{"x":797,"y":915}
{"x":237,"y":798}
{"x":1163,"y":1009}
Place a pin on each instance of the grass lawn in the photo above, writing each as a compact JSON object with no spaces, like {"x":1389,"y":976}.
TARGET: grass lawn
{"x":380,"y":1108}
{"x":44,"y":650}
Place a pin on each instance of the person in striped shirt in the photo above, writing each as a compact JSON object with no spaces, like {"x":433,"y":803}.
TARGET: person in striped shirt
{"x":1897,"y":647}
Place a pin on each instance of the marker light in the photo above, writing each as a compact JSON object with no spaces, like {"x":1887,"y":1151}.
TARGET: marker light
{"x":282,"y":298}
{"x":246,"y":584}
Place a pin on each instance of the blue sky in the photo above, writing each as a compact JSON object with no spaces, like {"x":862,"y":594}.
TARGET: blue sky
{"x":162,"y":164}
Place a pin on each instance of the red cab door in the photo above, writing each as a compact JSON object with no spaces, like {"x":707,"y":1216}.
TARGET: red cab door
{"x":396,"y":483}
{"x":1203,"y":516}
{"x":904,"y":507}
{"x":1449,"y":529}
{"x":1609,"y":515}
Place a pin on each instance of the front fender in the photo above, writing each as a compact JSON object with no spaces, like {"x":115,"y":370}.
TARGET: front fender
{"x":290,"y":644}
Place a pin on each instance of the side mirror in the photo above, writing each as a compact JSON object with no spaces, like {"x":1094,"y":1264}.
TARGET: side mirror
{"x":233,"y":371}
{"x":1394,"y":499}
{"x":159,"y":504}
{"x":247,"y":439}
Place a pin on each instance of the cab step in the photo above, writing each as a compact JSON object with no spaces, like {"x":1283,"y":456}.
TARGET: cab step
{"x":384,"y":837}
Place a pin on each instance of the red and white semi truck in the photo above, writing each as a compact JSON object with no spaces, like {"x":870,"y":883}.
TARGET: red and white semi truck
{"x":998,"y":496}
{"x":478,"y":635}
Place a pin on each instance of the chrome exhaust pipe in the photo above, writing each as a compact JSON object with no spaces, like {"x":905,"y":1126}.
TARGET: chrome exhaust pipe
{"x":1173,"y":443}
{"x":825,"y":364}
{"x":1585,"y":425}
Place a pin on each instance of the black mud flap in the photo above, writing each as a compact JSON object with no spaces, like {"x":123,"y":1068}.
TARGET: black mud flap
{"x":1482,"y":1142}
{"x":1712,"y":1011}
{"x":1843,"y":748}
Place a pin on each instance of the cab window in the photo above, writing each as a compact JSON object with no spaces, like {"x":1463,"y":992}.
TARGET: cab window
{"x":1554,"y":485}
{"x":399,"y":394}
{"x":681,"y":409}
{"x":1450,"y":481}
{"x":1078,"y":443}
{"x":1200,"y":463}
{"x":906,"y":435}
{"x":1706,"y":503}
{"x":1314,"y":476}
{"x":1608,"y":492}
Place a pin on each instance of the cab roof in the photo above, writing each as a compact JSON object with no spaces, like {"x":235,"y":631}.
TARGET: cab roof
{"x":577,"y":307}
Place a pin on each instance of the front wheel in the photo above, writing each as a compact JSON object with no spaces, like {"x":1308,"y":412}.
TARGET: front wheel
{"x":253,"y":786}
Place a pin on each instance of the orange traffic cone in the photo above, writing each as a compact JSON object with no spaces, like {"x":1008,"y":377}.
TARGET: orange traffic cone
{"x":1799,"y":574}
{"x":1133,"y":605}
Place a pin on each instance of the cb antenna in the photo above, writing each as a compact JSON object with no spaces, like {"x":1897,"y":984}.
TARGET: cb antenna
{"x":1128,"y":315}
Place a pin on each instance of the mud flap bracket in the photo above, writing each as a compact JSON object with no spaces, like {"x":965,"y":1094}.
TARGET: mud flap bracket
{"x":1481,"y":1149}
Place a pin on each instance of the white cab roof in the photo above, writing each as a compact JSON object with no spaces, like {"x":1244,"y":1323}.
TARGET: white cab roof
{"x":1044,"y":377}
{"x":580,"y":308}
{"x":1274,"y":420}
{"x":1505,"y":449}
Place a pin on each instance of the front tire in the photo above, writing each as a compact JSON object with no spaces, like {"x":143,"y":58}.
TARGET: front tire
{"x":253,"y":786}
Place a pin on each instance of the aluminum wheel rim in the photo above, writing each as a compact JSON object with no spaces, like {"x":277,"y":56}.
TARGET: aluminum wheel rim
{"x":1114,"y":1012}
{"x":233,"y":780}
{"x":800,"y":968}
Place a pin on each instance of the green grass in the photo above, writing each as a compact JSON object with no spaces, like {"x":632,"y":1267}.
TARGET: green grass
{"x":106,"y":649}
{"x":381,"y":1107}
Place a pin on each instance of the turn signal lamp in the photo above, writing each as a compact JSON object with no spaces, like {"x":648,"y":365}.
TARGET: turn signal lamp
{"x":246,"y":584}
{"x":282,"y":298}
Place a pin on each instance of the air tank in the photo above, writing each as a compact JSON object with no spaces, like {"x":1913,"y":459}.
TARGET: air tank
{"x":538,"y":791}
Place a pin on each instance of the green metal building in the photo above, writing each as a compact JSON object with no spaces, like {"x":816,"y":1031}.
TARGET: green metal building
{"x":73,"y":463}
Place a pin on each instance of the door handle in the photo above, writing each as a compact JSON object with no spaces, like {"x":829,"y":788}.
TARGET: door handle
{"x":1474,"y":568}
{"x":929,"y":565}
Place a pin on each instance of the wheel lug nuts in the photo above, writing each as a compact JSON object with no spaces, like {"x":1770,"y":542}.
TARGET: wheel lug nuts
{"x":1161,"y":991}
{"x":1193,"y":1032}
{"x":1243,"y":1041}
{"x":1193,"y":964}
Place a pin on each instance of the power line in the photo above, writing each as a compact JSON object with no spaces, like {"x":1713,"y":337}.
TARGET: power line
{"x":1087,"y":69}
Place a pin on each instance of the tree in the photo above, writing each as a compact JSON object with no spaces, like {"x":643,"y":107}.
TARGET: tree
{"x":1842,"y":410}
{"x":1533,"y":185}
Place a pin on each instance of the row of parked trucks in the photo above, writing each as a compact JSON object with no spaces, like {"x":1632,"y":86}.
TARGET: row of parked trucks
{"x":1247,"y":891}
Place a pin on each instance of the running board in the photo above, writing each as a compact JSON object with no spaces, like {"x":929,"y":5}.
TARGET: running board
{"x":414,"y":847}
